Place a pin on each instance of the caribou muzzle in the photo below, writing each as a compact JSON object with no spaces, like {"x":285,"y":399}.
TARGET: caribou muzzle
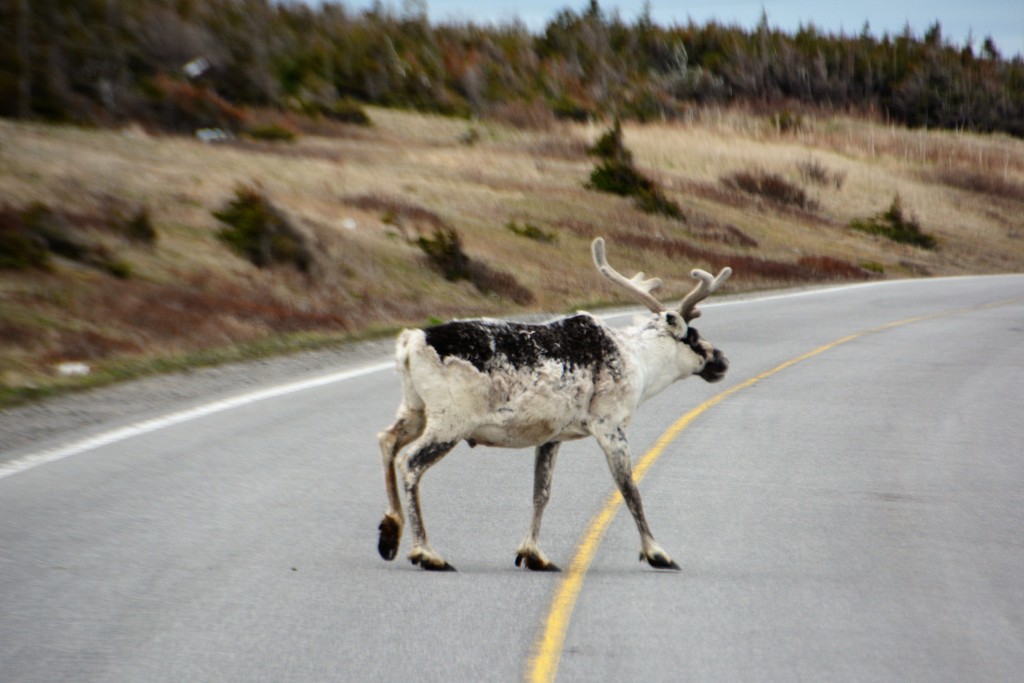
{"x":715,"y":368}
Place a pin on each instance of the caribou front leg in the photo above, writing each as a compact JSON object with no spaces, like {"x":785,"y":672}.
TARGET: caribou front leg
{"x":616,"y":450}
{"x":544,"y":465}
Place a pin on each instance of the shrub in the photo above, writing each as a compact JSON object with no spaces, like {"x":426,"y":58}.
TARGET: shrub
{"x":813,"y":171}
{"x":347,"y":111}
{"x":787,"y":122}
{"x":117,"y":268}
{"x":185,"y":107}
{"x":531,"y":231}
{"x":271,"y":132}
{"x":568,"y":109}
{"x":409,"y":218}
{"x":894,"y":225}
{"x":139,"y":228}
{"x":873,"y":267}
{"x":499,"y":283}
{"x":619,"y":178}
{"x":260,"y":232}
{"x":55,"y":232}
{"x":20,"y":248}
{"x":981,"y":182}
{"x":617,"y":175}
{"x":610,"y":146}
{"x":830,"y":268}
{"x":654,"y":201}
{"x":444,"y":250}
{"x":771,"y":186}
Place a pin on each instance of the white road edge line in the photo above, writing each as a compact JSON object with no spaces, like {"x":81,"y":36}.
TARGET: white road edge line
{"x":27,"y":462}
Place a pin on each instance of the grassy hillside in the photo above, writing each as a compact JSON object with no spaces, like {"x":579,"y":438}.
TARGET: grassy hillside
{"x":783,"y":202}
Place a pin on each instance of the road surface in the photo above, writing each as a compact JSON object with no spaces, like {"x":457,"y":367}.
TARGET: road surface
{"x":851,"y":508}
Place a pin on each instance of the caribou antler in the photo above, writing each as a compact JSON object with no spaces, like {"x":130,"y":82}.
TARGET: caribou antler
{"x":639,"y":288}
{"x":706,"y":285}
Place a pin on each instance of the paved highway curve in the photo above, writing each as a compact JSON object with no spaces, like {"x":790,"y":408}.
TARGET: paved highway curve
{"x":846,"y":505}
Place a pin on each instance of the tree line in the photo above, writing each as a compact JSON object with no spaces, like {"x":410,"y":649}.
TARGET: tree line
{"x":182,"y":64}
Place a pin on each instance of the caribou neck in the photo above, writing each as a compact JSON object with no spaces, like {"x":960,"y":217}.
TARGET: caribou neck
{"x":657,"y":357}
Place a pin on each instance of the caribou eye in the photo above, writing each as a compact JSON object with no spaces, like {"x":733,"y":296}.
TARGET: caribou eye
{"x":672,"y":319}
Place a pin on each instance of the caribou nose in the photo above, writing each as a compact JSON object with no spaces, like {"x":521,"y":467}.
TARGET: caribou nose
{"x":716,"y":367}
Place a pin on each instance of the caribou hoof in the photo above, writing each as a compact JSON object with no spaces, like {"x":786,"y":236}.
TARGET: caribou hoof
{"x":660,"y":561}
{"x":535,"y":563}
{"x":390,"y":533}
{"x":432,"y":562}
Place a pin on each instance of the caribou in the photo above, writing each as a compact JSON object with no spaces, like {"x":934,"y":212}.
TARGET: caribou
{"x":516,"y":385}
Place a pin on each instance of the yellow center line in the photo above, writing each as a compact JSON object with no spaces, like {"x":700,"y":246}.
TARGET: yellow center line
{"x":547,"y":650}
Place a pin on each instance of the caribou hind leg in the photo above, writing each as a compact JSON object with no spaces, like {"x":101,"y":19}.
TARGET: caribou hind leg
{"x":529,"y":551}
{"x":406,"y":427}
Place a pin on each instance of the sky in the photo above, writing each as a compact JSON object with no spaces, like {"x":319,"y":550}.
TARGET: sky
{"x":1003,"y":20}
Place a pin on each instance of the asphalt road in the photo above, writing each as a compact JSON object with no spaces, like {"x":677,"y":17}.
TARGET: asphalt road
{"x":856,"y":515}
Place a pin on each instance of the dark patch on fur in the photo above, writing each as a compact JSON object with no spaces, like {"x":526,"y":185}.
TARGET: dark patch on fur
{"x":715,"y":368}
{"x":715,"y":362}
{"x":575,"y":342}
{"x":693,"y":341}
{"x":429,"y":453}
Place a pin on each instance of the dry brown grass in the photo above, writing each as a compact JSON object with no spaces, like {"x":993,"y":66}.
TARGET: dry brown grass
{"x":365,"y":195}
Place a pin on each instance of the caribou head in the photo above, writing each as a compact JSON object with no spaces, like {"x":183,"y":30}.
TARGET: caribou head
{"x":674,"y":322}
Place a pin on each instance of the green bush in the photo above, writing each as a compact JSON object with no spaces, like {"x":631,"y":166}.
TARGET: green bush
{"x":272,"y":132}
{"x":610,"y":146}
{"x":568,"y":109}
{"x":185,"y":107}
{"x":259,"y":232}
{"x":57,"y":233}
{"x":873,"y":267}
{"x":347,"y":111}
{"x":813,"y":171}
{"x":616,"y":174}
{"x":894,"y":225}
{"x":531,"y":231}
{"x":444,"y":250}
{"x":20,"y":248}
{"x":119,"y":269}
{"x":139,"y":228}
{"x":619,"y":178}
{"x":787,"y":122}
